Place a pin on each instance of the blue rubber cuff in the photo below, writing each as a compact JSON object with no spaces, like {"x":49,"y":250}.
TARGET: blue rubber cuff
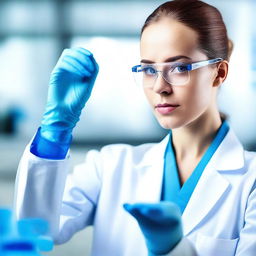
{"x":44,"y":148}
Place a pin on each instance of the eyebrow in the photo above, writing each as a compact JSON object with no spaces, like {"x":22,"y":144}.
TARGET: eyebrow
{"x":171,"y":59}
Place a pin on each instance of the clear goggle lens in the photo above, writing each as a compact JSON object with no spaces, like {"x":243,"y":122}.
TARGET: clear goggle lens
{"x":176,"y":74}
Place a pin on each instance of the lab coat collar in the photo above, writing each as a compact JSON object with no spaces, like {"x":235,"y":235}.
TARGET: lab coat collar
{"x":155,"y":154}
{"x":228,"y":157}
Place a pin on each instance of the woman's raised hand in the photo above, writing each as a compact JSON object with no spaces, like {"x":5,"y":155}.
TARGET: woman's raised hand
{"x":70,"y":87}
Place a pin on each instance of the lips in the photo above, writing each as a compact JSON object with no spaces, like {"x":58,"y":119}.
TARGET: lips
{"x":166,"y":108}
{"x":166,"y":105}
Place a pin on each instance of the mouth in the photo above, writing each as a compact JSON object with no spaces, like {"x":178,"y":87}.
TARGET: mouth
{"x":166,"y":108}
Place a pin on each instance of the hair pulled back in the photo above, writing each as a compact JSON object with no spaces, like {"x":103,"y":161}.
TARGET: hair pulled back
{"x":203,"y":18}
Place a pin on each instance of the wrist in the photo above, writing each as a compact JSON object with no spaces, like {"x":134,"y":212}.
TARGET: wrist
{"x":58,"y":135}
{"x":164,"y":243}
{"x":44,"y":148}
{"x":58,"y":122}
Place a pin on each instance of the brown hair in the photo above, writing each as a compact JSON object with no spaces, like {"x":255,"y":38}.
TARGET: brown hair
{"x":205,"y":19}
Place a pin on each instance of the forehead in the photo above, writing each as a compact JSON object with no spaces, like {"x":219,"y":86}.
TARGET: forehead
{"x":167,"y":38}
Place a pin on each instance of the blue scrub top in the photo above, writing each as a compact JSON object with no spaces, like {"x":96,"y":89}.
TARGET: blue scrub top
{"x":172,"y":189}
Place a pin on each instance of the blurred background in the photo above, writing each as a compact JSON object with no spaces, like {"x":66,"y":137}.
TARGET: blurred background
{"x":33,"y":34}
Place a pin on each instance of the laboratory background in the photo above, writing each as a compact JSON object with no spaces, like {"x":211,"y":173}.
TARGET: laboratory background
{"x":33,"y":33}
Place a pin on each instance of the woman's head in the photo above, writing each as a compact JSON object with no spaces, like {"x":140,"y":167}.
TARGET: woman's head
{"x":185,"y":31}
{"x":203,"y":18}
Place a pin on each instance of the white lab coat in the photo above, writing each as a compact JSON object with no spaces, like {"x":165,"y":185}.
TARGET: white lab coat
{"x":219,"y":220}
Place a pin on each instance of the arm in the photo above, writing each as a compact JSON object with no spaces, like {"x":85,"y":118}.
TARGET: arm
{"x":70,"y":87}
{"x":39,"y":189}
{"x":43,"y":187}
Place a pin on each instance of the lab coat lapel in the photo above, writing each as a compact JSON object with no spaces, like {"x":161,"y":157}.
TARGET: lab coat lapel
{"x":203,"y":199}
{"x":150,"y":171}
{"x":212,"y":185}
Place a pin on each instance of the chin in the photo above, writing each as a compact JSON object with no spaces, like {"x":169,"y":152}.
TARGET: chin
{"x":171,"y":122}
{"x":167,"y":123}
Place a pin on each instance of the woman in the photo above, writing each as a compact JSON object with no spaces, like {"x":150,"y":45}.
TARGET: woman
{"x":191,"y":194}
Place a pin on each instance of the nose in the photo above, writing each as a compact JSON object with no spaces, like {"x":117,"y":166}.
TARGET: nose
{"x":161,"y":86}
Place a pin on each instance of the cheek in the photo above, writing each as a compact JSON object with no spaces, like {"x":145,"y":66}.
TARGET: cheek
{"x":199,"y":93}
{"x":149,"y":95}
{"x":198,"y":96}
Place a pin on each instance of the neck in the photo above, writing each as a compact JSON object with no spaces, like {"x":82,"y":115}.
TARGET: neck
{"x":191,"y":141}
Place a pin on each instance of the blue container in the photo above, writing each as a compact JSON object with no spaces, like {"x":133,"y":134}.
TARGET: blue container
{"x":25,"y":237}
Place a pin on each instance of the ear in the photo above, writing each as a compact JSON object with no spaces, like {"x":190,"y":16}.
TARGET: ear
{"x":221,"y":73}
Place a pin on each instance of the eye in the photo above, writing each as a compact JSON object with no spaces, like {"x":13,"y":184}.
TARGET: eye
{"x":149,"y":71}
{"x":180,"y":69}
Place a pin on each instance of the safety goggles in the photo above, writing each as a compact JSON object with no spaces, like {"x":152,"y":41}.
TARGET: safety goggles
{"x":174,"y":73}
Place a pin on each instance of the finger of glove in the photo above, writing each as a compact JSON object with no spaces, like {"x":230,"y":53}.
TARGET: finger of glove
{"x":163,"y":212}
{"x":134,"y":210}
{"x":84,"y":57}
{"x":79,"y":66}
{"x":143,"y":209}
{"x":140,"y":213}
{"x":72,"y":65}
{"x":163,"y":209}
{"x":83,"y":50}
{"x":76,"y":62}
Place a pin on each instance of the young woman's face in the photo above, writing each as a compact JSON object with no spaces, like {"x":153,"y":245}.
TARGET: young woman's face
{"x":165,"y":40}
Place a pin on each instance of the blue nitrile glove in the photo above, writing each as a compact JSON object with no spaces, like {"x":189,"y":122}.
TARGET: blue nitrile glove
{"x":160,"y":224}
{"x":70,"y":87}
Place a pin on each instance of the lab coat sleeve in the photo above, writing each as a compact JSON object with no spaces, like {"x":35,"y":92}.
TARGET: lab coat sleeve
{"x":45,"y":189}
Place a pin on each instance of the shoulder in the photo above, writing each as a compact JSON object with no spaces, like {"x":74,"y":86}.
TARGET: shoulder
{"x":143,"y":153}
{"x":231,"y":154}
{"x":125,"y":151}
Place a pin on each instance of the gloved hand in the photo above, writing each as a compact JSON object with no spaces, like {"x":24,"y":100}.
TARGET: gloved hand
{"x":70,"y":87}
{"x":160,"y":224}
